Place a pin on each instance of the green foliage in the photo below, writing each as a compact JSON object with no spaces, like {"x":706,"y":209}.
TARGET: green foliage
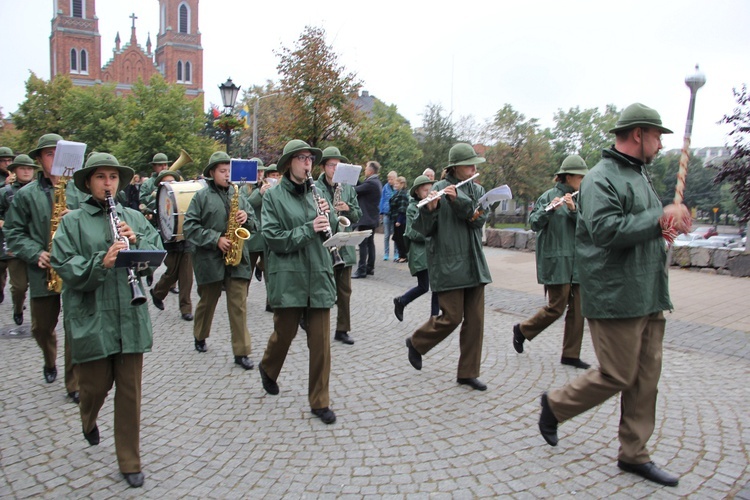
{"x":736,"y":170}
{"x":700,"y":191}
{"x":41,"y":113}
{"x":436,"y":137}
{"x":583,"y":132}
{"x":92,"y":115}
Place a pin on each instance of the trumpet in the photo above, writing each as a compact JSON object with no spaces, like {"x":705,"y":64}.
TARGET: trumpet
{"x":327,"y":233}
{"x":135,"y":290}
{"x":434,"y":195}
{"x":554,"y":204}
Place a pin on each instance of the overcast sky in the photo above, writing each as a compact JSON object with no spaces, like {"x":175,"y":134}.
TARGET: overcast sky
{"x":471,"y":57}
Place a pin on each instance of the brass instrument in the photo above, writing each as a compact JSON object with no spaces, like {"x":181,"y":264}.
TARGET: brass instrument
{"x":327,"y":233}
{"x":183,"y":159}
{"x":60,"y":204}
{"x":343,"y":221}
{"x":235,"y":233}
{"x":137,"y":297}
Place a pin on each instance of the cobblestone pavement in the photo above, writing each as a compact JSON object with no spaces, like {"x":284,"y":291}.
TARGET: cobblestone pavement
{"x":210,"y":431}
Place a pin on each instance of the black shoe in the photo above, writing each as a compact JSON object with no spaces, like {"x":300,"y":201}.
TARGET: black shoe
{"x":414,"y":357}
{"x":518,"y":338}
{"x":398,"y":309}
{"x":548,"y":423}
{"x":187,"y":317}
{"x":244,"y":362}
{"x":174,"y":289}
{"x":18,"y":318}
{"x":75,"y":396}
{"x":357,"y":275}
{"x":650,"y":471}
{"x":303,"y":322}
{"x":50,"y":374}
{"x":200,"y":345}
{"x":575,"y":362}
{"x":150,"y":280}
{"x":134,"y":479}
{"x":258,"y":274}
{"x":158,"y":303}
{"x":474,"y":383}
{"x":269,"y":385}
{"x":93,"y":436}
{"x":2,"y":295}
{"x":325,"y":414}
{"x":343,"y":337}
{"x":269,"y":309}
{"x":370,"y":272}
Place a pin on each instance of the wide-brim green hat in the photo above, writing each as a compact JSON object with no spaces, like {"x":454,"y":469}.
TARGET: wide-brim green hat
{"x":159,"y":159}
{"x":574,"y":165}
{"x":295,"y":146}
{"x":332,"y":153}
{"x":271,"y":168}
{"x":45,"y":141}
{"x":260,"y":162}
{"x":22,"y":161}
{"x":6,"y":152}
{"x":639,"y":115}
{"x":463,"y":154}
{"x":216,"y":158}
{"x":96,"y":160}
{"x":421,"y":180}
{"x":166,"y":173}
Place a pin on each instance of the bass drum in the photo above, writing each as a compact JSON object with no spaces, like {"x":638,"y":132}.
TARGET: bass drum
{"x":172,"y":202}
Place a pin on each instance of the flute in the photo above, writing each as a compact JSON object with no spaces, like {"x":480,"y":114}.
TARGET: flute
{"x":555,"y":204}
{"x":438,"y":194}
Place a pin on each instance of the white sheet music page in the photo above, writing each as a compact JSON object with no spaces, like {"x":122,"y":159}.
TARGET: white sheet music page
{"x":69,"y":157}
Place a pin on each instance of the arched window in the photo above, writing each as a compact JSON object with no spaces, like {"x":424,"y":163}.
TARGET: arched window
{"x":163,"y":20}
{"x":73,"y":61}
{"x":184,"y":16}
{"x":188,"y":70}
{"x":179,"y":71}
{"x":84,"y":66}
{"x":76,"y":8}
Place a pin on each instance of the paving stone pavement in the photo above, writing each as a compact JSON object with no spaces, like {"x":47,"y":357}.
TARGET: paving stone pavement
{"x":210,"y":431}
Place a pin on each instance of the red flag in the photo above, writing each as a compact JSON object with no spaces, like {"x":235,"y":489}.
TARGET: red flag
{"x":215,"y":112}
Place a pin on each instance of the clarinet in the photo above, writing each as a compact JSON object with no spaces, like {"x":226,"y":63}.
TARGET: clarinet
{"x":114,"y":221}
{"x":327,"y":233}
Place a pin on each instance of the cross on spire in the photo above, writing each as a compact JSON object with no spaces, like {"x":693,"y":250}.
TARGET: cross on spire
{"x":133,"y":17}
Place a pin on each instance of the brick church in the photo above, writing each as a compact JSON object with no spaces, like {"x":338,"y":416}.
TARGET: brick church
{"x":75,"y":48}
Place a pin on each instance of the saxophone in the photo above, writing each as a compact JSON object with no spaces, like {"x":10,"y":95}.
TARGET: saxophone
{"x":337,"y":192}
{"x":236,"y":234}
{"x":54,"y":281}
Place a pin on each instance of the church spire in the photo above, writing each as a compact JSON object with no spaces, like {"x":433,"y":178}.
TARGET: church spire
{"x":133,"y":40}
{"x":117,"y":42}
{"x":148,"y":44}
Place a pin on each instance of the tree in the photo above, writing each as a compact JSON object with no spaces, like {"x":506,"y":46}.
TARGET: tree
{"x":700,"y":191}
{"x":387,"y":138}
{"x":42,"y":111}
{"x":583,"y":132}
{"x":736,"y":170}
{"x":436,"y":137}
{"x":315,"y":100}
{"x":92,"y":115}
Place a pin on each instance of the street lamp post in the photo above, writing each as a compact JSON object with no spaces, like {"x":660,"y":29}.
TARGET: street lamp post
{"x":255,"y":121}
{"x":229,"y":93}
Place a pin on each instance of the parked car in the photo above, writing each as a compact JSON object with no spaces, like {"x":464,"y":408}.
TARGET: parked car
{"x":706,"y":232}
{"x":685,"y":239}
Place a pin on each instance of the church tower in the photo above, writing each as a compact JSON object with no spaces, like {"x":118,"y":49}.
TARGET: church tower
{"x":179,"y":54}
{"x":75,"y":43}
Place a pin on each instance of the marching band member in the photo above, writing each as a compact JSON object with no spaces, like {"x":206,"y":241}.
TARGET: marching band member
{"x":27,"y":232}
{"x":254,"y":195}
{"x":6,"y":158}
{"x":108,"y":335}
{"x":556,"y":263}
{"x":159,"y":163}
{"x":23,"y":167}
{"x":347,"y":207}
{"x":300,"y":275}
{"x":205,"y":227}
{"x":458,"y":269}
{"x":179,"y":264}
{"x":417,"y":252}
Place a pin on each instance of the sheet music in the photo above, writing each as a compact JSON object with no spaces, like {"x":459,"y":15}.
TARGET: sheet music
{"x":69,"y":158}
{"x":347,"y":239}
{"x":243,"y":170}
{"x":346,"y":173}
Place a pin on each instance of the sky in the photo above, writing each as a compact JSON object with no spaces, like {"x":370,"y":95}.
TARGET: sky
{"x":470,"y":57}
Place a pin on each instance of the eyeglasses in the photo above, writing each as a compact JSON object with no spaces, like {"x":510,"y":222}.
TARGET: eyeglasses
{"x":304,"y":158}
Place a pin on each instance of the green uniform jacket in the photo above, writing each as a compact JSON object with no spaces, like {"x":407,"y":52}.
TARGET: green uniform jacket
{"x":147,"y":192}
{"x":348,"y":196}
{"x":96,"y":300}
{"x":454,"y":243}
{"x":206,"y":222}
{"x":255,"y":201}
{"x":620,"y":252}
{"x":7,"y":193}
{"x":27,"y":225}
{"x":417,"y":248}
{"x":299,"y":267}
{"x":555,"y":239}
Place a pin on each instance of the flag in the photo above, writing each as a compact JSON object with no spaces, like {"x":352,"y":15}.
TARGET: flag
{"x":215,"y":112}
{"x":244,"y":113}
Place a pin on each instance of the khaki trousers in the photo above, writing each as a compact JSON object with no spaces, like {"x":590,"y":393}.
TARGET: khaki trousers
{"x":343,"y":298}
{"x":630,"y":358}
{"x":559,"y":297}
{"x":285,"y":324}
{"x":96,"y":379}
{"x":19,"y":283}
{"x":236,"y":295}
{"x":179,"y":270}
{"x":463,"y":305}
{"x":44,"y":314}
